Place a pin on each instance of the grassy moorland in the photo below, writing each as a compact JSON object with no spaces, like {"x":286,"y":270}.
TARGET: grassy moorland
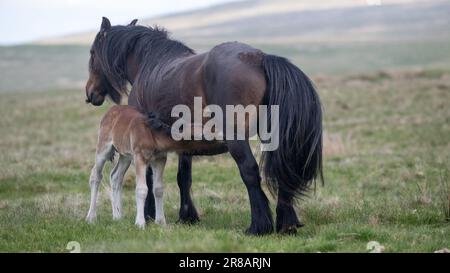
{"x":387,"y":155}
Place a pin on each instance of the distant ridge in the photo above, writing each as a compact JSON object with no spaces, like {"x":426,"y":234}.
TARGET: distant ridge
{"x":305,"y":20}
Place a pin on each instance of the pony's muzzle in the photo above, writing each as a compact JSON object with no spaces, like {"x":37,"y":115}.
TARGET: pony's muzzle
{"x":88,"y":93}
{"x":94,"y":98}
{"x":89,"y":97}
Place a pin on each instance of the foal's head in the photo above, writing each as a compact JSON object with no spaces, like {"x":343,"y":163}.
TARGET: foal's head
{"x":105,"y":78}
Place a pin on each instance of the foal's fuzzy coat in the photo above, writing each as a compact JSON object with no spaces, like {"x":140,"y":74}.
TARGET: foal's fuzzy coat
{"x":128,"y":132}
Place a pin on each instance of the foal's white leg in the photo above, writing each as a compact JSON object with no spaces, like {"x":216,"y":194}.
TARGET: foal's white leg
{"x":116,"y":181}
{"x":158,"y":189}
{"x":94,"y":181}
{"x":141,"y":190}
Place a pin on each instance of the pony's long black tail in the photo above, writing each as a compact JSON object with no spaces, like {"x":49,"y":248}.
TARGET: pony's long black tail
{"x":297,"y":162}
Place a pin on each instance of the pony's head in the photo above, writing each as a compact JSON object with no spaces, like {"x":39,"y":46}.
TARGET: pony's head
{"x":106,"y":78}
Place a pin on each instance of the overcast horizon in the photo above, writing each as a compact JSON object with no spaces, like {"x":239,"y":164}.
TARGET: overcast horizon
{"x":24,"y":21}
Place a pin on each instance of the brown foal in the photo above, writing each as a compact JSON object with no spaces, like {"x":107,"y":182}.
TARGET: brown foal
{"x":128,"y":132}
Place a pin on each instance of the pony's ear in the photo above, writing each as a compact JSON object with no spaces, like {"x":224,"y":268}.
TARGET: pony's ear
{"x":133,"y":23}
{"x":106,"y":24}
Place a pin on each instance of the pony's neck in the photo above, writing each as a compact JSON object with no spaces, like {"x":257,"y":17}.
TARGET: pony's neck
{"x":131,"y":69}
{"x":127,"y":52}
{"x":146,"y":53}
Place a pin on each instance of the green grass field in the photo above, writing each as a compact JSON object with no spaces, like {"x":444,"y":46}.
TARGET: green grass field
{"x":387,"y":155}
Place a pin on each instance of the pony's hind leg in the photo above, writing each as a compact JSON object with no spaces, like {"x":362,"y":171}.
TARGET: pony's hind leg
{"x":95,"y":179}
{"x":287,"y":221}
{"x":141,"y":190}
{"x":158,"y":165}
{"x":116,"y":181}
{"x":261,"y":215}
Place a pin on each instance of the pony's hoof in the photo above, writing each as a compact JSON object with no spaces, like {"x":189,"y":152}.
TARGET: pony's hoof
{"x":287,"y":221}
{"x":259,"y":231}
{"x":189,"y":219}
{"x":289,"y":230}
{"x":188,"y":216}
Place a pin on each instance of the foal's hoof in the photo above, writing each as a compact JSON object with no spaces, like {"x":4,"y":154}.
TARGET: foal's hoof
{"x":117,"y":217}
{"x":90,"y":219}
{"x":161,"y":222}
{"x":140,"y":224}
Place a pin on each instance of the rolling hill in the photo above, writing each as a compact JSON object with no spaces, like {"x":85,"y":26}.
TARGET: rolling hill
{"x":289,"y":21}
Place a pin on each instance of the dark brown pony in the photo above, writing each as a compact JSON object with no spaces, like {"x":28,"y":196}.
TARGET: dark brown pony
{"x":164,"y":73}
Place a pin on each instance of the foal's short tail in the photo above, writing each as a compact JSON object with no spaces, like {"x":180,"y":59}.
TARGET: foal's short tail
{"x":154,"y":121}
{"x":297,"y":162}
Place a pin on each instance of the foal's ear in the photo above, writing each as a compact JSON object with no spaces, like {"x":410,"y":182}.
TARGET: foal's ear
{"x":133,"y":23}
{"x":106,"y":24}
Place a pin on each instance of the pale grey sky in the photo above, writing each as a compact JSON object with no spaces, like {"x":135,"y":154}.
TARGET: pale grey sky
{"x":27,"y":20}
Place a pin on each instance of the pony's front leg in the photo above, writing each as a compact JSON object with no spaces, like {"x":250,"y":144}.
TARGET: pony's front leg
{"x":188,"y":214}
{"x":141,"y":190}
{"x":158,"y":165}
{"x":149,"y":208}
{"x":116,"y":180}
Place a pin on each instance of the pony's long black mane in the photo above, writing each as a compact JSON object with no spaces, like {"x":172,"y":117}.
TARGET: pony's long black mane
{"x":151,"y":47}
